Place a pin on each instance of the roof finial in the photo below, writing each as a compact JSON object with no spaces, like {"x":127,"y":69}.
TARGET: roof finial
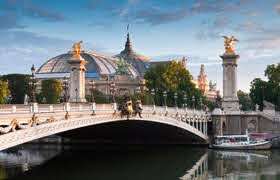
{"x":127,"y":28}
{"x":128,"y":47}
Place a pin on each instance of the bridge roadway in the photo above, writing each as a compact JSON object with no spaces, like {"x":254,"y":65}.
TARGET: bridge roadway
{"x":20,"y":124}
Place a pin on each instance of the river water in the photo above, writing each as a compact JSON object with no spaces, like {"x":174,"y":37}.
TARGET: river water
{"x":82,"y":162}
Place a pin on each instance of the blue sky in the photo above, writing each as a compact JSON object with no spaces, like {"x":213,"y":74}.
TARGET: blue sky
{"x":33,"y":31}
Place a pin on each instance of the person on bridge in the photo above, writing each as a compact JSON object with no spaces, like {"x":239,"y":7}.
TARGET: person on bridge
{"x":138,"y":108}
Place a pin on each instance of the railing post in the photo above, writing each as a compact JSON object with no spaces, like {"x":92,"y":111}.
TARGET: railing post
{"x":34,"y":107}
{"x":166,"y":110}
{"x":51,"y":108}
{"x":154,"y":109}
{"x":93,"y":106}
{"x":14,"y":109}
{"x":114,"y":107}
{"x":67,"y":107}
{"x":80,"y":107}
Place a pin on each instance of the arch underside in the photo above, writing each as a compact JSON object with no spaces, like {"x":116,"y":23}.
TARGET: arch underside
{"x":155,"y":130}
{"x":132,"y":132}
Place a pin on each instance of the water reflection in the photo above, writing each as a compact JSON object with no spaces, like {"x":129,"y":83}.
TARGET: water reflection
{"x":136,"y":162}
{"x":244,"y":165}
{"x":199,"y":169}
{"x":24,"y":158}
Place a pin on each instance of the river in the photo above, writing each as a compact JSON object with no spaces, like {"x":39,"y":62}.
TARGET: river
{"x":82,"y":162}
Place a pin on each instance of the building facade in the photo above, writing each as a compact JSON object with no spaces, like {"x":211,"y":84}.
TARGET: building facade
{"x":126,"y":70}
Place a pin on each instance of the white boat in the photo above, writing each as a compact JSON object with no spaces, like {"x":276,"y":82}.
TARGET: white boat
{"x":240,"y":142}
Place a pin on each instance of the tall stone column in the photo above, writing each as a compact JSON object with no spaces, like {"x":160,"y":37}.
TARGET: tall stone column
{"x":77,"y":78}
{"x":230,"y":100}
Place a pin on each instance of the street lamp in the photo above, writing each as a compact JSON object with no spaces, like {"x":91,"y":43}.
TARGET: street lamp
{"x":165,"y":104}
{"x":142,"y":84}
{"x":200,"y":102}
{"x":113,"y":91}
{"x":33,"y":81}
{"x":154,"y":105}
{"x":92,"y":83}
{"x":165,"y":97}
{"x":76,"y":91}
{"x":193,"y":102}
{"x":175,"y":99}
{"x":185,"y":99}
{"x":65,"y":88}
{"x":153,"y":94}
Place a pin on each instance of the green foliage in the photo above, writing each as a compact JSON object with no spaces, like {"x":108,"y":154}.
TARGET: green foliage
{"x":99,"y":97}
{"x":173,"y":77}
{"x":4,"y":91}
{"x":51,"y":90}
{"x":272,"y":72}
{"x":18,"y":86}
{"x":245,"y":101}
{"x":267,"y":90}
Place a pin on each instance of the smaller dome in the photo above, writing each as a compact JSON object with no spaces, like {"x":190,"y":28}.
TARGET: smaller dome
{"x":139,"y":62}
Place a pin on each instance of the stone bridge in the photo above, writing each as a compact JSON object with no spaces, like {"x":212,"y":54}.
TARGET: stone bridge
{"x":20,"y":124}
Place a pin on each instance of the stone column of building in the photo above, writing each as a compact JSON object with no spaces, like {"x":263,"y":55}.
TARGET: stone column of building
{"x":77,"y":76}
{"x":230,"y":100}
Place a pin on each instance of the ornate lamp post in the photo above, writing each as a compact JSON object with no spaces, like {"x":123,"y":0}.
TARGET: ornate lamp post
{"x":92,"y":83}
{"x":33,"y":81}
{"x":165,"y":103}
{"x":142,"y":84}
{"x":76,"y":91}
{"x":153,"y":95}
{"x":154,"y":105}
{"x":193,"y":102}
{"x":113,"y":90}
{"x":185,"y":100}
{"x":164,"y":98}
{"x":65,"y":88}
{"x":175,"y":99}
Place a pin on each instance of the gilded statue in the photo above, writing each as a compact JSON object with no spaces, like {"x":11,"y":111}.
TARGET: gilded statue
{"x":229,"y":43}
{"x":77,"y":48}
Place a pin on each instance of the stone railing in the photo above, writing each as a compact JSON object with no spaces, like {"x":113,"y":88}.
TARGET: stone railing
{"x":13,"y":117}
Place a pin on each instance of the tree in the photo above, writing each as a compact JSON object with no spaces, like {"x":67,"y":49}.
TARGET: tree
{"x":4,"y":91}
{"x":173,"y":78}
{"x":267,"y":90}
{"x":272,"y":72}
{"x":18,"y":86}
{"x":51,"y":90}
{"x":258,"y":91}
{"x":245,"y":101}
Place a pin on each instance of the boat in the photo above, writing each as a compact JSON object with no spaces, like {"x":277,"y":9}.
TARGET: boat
{"x":240,"y":142}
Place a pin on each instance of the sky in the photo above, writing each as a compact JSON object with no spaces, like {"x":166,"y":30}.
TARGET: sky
{"x":33,"y":31}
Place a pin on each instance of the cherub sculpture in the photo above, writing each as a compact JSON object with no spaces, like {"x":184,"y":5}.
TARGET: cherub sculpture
{"x":77,"y":48}
{"x":229,"y":43}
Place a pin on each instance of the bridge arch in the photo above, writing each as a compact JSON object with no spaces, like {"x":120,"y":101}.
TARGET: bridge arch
{"x":43,"y":130}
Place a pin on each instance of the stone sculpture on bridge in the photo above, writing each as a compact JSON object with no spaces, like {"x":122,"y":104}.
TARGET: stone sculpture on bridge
{"x":77,"y":48}
{"x":229,"y":43}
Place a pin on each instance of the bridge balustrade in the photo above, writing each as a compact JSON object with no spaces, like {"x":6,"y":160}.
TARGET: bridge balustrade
{"x":20,"y":117}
